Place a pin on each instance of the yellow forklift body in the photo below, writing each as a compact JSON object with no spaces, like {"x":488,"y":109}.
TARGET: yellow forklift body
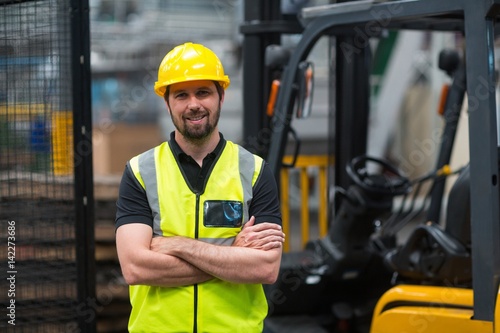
{"x":428,"y":309}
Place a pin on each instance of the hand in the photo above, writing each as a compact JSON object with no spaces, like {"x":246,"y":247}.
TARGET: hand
{"x":263,"y":236}
{"x":165,"y":245}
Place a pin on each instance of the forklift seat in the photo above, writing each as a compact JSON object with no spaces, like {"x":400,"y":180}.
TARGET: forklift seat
{"x":436,"y":254}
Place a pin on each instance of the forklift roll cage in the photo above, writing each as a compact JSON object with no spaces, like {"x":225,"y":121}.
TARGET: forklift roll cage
{"x":476,"y":20}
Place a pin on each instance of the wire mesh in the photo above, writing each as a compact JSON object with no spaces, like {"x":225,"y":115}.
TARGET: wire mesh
{"x":37,"y":210}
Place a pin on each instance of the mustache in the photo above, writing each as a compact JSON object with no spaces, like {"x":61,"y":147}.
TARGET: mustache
{"x":194,"y":114}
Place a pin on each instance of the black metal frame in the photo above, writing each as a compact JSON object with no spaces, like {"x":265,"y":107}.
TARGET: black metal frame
{"x":264,"y":27}
{"x":476,"y":20}
{"x":80,"y":90}
{"x":352,"y":96}
{"x":84,"y":186}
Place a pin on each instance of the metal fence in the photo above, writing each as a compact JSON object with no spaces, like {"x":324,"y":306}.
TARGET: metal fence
{"x":46,"y":200}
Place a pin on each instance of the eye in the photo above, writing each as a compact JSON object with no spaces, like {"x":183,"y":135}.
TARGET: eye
{"x":203,"y":93}
{"x":180,"y":95}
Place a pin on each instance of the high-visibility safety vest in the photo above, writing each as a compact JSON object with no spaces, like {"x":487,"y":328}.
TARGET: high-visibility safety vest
{"x":215,"y":216}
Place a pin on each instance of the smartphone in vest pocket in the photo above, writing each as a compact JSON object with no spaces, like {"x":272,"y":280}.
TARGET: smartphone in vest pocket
{"x":223,"y":213}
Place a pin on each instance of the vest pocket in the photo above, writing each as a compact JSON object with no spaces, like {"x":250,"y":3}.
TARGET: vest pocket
{"x":223,"y":213}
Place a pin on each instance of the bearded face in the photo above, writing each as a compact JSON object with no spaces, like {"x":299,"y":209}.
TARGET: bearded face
{"x":197,"y":125}
{"x":195,"y":108}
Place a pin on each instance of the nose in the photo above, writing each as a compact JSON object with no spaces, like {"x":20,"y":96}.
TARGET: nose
{"x":193,"y":103}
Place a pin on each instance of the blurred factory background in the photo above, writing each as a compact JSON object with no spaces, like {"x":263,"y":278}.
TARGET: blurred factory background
{"x":128,"y":41}
{"x":129,"y":38}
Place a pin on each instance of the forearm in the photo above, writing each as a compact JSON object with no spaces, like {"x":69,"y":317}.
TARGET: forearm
{"x":150,"y":268}
{"x":230,"y":263}
{"x":141,"y":265}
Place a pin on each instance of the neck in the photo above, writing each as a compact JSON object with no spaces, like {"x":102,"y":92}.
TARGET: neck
{"x":200,"y":148}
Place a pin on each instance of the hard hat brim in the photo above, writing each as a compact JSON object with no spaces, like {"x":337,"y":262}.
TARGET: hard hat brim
{"x":161,"y":87}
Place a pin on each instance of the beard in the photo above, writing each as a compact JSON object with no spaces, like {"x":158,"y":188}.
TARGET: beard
{"x":197,"y":133}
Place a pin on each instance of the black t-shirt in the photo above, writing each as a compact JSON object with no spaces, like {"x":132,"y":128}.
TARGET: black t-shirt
{"x":133,"y":207}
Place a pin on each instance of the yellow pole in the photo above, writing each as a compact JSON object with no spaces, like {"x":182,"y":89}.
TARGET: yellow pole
{"x":304,"y":205}
{"x":62,"y":143}
{"x":285,"y":208}
{"x":323,"y":206}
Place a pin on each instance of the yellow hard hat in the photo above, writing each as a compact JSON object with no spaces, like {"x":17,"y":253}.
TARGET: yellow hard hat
{"x":189,"y":62}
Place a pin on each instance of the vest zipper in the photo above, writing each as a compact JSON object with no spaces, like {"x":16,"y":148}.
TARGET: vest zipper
{"x":195,"y":319}
{"x":196,"y":231}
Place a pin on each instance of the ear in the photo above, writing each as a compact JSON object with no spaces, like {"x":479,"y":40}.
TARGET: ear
{"x":168,"y":106}
{"x":222,"y":95}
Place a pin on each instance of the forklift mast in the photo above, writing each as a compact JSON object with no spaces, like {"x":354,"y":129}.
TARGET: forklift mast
{"x":264,"y":25}
{"x":348,"y":127}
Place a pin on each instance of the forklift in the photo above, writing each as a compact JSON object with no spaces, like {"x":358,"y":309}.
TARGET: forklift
{"x":445,"y":276}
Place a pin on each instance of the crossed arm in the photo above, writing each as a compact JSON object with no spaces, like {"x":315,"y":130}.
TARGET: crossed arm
{"x":254,"y":257}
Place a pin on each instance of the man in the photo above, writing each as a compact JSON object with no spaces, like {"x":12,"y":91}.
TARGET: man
{"x":198,"y":217}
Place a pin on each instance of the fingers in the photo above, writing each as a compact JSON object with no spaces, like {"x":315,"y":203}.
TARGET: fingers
{"x":266,"y":226}
{"x":268,"y":231}
{"x":250,"y":222}
{"x":260,"y":226}
{"x":272,"y":245}
{"x":264,"y":235}
{"x":266,"y":240}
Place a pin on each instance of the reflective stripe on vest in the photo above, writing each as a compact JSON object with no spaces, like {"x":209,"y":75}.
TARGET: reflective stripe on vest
{"x":219,"y":306}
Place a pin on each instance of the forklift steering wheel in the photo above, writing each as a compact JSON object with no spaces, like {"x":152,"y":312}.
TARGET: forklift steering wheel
{"x":392,"y":182}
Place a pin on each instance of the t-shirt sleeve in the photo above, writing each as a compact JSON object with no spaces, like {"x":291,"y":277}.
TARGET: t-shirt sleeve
{"x":265,"y":204}
{"x":132,"y":205}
